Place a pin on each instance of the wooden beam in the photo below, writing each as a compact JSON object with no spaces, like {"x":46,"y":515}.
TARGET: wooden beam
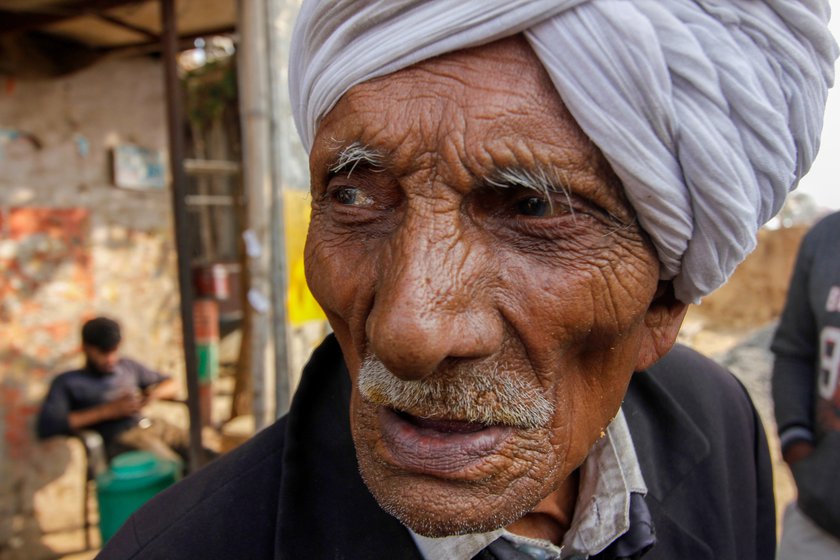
{"x":211,"y":167}
{"x":210,"y":200}
{"x":130,"y":26}
{"x":185,"y":42}
{"x":175,"y":124}
{"x":15,"y":22}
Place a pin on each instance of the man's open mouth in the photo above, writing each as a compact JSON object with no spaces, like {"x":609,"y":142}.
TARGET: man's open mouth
{"x":441,"y":447}
{"x":441,"y":425}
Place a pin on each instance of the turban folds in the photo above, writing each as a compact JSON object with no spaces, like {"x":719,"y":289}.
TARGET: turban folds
{"x":709,"y":111}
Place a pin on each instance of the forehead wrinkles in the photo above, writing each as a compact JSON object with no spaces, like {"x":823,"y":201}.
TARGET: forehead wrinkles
{"x":421,"y":129}
{"x":444,"y":109}
{"x":454,"y":120}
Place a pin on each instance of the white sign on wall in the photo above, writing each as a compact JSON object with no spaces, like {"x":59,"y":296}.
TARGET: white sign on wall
{"x":136,"y":167}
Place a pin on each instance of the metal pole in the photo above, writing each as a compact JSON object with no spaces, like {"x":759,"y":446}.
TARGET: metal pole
{"x":253,"y":99}
{"x":175,"y":124}
{"x":279,"y":265}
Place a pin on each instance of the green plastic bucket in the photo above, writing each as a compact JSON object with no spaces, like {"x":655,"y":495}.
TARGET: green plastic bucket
{"x":132,"y":479}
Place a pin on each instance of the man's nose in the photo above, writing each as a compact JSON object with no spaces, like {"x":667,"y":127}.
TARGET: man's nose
{"x":433,"y":301}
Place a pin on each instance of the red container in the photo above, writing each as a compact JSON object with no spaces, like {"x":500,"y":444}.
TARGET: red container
{"x":211,"y":281}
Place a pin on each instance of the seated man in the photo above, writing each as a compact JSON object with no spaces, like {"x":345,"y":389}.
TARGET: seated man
{"x":513,"y":203}
{"x":107,"y":396}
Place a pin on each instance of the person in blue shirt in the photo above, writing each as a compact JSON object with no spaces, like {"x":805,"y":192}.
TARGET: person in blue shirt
{"x":107,"y":396}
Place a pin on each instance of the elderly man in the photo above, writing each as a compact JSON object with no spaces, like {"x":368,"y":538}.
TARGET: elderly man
{"x":513,"y":203}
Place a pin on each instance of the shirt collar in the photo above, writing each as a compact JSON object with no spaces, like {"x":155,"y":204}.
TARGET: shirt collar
{"x":608,"y":476}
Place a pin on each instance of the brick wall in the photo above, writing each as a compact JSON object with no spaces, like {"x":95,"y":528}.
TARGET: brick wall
{"x":73,"y":246}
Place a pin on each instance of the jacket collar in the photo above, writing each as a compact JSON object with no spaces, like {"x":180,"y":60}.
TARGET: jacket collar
{"x":669,"y":445}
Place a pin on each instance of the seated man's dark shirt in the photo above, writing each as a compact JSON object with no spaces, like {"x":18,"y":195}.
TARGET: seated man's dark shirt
{"x":84,"y":388}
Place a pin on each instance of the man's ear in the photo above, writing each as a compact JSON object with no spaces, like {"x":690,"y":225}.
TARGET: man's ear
{"x":662,"y":323}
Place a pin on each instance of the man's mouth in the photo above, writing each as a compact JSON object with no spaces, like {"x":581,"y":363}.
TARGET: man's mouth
{"x":441,"y":425}
{"x":442,"y":447}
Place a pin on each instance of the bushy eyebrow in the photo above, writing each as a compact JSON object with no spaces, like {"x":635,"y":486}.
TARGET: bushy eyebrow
{"x":350,"y":156}
{"x":544,"y":182}
{"x":538,"y":180}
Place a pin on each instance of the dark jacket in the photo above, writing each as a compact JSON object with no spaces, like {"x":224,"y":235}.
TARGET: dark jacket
{"x":294,"y":491}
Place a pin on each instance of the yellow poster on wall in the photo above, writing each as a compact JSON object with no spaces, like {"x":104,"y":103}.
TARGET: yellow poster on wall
{"x":302,"y":306}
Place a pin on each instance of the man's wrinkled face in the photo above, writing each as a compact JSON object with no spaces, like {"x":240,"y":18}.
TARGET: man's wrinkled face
{"x":486,"y":279}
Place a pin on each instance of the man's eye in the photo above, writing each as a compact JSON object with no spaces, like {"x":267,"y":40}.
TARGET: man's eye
{"x":534,"y":206}
{"x":351,"y":196}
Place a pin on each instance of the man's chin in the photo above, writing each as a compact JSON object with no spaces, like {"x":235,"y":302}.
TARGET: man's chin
{"x":435,"y":507}
{"x":439,"y":528}
{"x":454,"y":516}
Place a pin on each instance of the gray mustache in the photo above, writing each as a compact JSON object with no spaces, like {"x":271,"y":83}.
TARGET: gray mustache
{"x":482,"y":393}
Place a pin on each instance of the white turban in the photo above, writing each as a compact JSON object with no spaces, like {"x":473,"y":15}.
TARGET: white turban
{"x":709,"y":111}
